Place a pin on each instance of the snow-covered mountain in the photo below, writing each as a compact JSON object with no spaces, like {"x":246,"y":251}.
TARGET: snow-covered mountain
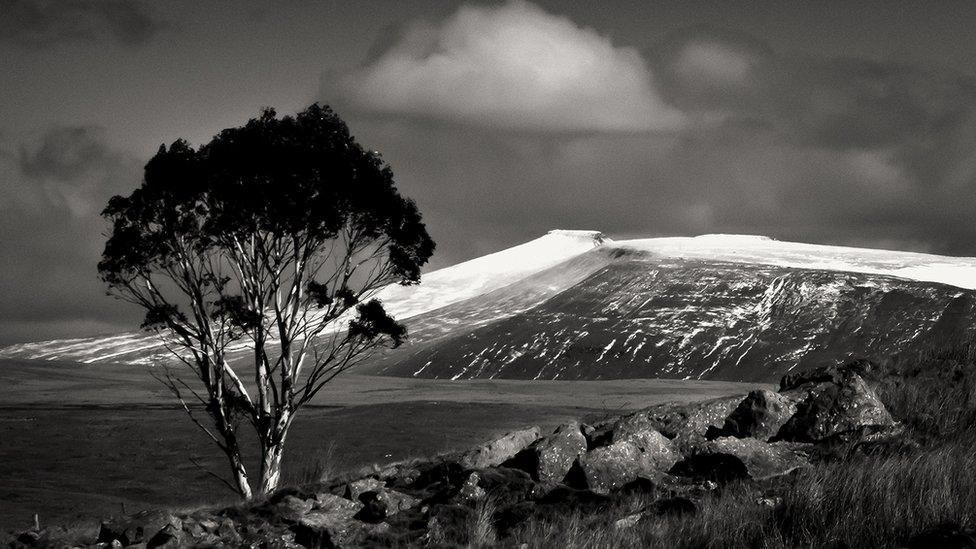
{"x":577,"y":305}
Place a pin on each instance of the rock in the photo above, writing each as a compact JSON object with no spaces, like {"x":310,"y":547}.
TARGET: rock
{"x":291,"y":508}
{"x":627,"y":522}
{"x":677,"y":420}
{"x":843,"y":404}
{"x":374,"y":509}
{"x":324,"y":529}
{"x":170,"y":537}
{"x":548,"y":459}
{"x":730,"y":458}
{"x":499,"y":450}
{"x":506,"y":485}
{"x":357,"y":487}
{"x":470,"y":491}
{"x":604,"y":469}
{"x":760,"y":415}
{"x":136,"y":528}
{"x":227,"y":532}
{"x":331,"y":503}
{"x":833,"y":374}
{"x":396,"y":501}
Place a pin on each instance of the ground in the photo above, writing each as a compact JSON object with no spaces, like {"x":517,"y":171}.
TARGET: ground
{"x":82,"y":441}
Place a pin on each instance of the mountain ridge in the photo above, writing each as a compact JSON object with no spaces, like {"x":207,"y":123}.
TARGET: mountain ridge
{"x":525,"y":287}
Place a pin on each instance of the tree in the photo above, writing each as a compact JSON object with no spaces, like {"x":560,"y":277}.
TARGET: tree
{"x":260,"y":252}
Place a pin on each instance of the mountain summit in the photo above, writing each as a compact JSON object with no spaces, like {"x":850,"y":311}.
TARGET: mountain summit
{"x":579,"y":305}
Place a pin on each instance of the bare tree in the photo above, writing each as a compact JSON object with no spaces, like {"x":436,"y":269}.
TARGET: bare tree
{"x":255,"y":257}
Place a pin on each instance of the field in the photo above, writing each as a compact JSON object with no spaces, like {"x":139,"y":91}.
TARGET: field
{"x":83,"y":441}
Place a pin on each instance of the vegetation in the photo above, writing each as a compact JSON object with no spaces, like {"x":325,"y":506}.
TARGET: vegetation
{"x":272,"y":238}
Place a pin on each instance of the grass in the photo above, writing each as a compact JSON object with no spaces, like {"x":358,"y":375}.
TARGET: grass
{"x":856,"y":499}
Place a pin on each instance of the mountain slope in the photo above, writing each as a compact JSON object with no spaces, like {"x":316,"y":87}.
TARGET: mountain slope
{"x":642,"y":316}
{"x":576,"y":305}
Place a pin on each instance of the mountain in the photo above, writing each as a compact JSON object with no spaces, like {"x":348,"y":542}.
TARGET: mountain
{"x":577,"y":305}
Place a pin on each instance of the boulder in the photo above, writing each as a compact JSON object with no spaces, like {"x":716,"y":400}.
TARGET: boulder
{"x":357,"y":487}
{"x":833,"y":374}
{"x":292,"y":508}
{"x":731,"y":458}
{"x":331,"y":503}
{"x":499,"y":450}
{"x":374,"y":509}
{"x":604,"y":469}
{"x":325,"y":529}
{"x":136,"y":528}
{"x":689,"y":421}
{"x":548,"y":459}
{"x":842,"y":404}
{"x":396,"y":501}
{"x":760,"y":415}
{"x":470,"y":491}
{"x":170,"y":537}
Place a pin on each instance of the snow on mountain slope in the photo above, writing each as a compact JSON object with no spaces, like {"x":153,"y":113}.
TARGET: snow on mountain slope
{"x":439,"y":288}
{"x":956,"y":271}
{"x":487,"y":273}
{"x":474,"y":299}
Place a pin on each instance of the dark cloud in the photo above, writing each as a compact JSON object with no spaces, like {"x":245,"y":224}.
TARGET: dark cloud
{"x":51,"y":192}
{"x":41,"y":23}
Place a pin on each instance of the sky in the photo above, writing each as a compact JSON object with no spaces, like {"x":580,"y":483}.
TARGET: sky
{"x":831,"y":122}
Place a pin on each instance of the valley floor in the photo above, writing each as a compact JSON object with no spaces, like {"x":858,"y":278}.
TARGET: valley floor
{"x":82,"y":441}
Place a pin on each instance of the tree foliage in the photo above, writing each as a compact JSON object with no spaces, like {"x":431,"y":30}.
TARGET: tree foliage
{"x":272,"y":238}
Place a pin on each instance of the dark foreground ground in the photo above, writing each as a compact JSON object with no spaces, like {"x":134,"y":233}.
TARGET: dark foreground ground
{"x":82,"y":441}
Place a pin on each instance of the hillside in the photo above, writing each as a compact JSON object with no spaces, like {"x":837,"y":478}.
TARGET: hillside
{"x":577,"y":305}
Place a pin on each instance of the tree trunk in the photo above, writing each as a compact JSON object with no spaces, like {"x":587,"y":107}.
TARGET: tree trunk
{"x":271,"y":454}
{"x":240,"y":472}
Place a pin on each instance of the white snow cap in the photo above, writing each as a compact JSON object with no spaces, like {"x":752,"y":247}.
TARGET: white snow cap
{"x":955,"y":271}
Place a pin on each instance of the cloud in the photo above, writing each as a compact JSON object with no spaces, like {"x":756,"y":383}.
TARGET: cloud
{"x":514,"y":66}
{"x":72,"y":169}
{"x":42,"y":23}
{"x":51,"y":191}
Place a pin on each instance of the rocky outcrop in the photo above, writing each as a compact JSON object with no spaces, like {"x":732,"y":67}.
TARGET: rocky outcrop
{"x":830,"y":403}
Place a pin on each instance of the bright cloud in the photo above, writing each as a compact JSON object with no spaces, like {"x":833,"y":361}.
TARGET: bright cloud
{"x":513,"y":66}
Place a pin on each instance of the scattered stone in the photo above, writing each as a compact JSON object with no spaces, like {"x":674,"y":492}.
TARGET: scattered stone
{"x":136,"y":528}
{"x":760,"y":415}
{"x":499,"y":450}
